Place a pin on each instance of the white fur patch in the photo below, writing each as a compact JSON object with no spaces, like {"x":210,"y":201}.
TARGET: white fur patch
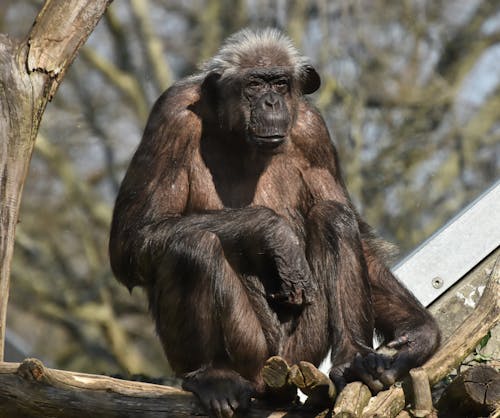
{"x":247,"y":43}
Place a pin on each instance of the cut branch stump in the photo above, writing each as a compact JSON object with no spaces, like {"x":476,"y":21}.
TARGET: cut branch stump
{"x":475,"y":392}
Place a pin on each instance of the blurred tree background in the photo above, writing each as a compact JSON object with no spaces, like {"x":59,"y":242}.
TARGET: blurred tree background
{"x":411,"y":94}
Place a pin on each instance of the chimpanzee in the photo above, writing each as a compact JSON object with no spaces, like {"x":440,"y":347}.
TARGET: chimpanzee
{"x":234,"y":217}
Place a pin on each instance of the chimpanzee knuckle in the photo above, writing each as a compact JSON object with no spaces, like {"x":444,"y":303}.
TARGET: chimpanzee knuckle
{"x":389,"y":377}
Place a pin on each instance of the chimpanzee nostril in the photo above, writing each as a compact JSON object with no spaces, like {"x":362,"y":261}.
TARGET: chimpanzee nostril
{"x":272,"y":101}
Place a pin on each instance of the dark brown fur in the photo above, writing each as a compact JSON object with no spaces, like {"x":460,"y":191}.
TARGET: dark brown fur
{"x":247,"y":254}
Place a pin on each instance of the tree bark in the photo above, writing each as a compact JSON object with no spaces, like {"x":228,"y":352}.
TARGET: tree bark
{"x":30,"y":73}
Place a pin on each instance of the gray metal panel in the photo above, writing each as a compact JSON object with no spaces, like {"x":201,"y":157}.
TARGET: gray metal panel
{"x":454,"y":250}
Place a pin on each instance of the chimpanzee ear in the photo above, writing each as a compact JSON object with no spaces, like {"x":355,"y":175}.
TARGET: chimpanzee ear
{"x":310,"y":80}
{"x":209,"y":85}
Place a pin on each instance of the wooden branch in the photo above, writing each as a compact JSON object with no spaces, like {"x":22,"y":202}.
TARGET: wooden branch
{"x":18,"y":122}
{"x":30,"y":72}
{"x":386,"y":404}
{"x":30,"y":389}
{"x":318,"y":387}
{"x":60,"y":29}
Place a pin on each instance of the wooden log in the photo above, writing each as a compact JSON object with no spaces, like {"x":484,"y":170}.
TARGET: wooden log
{"x":422,"y":398}
{"x":275,"y":372}
{"x":352,"y":400}
{"x":314,"y":383}
{"x":31,"y":390}
{"x":387,"y":404}
{"x":475,"y":392}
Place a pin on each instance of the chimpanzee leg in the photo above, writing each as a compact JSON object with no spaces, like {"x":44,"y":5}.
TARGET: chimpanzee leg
{"x":337,"y":264}
{"x":405,"y":324}
{"x":206,"y":322}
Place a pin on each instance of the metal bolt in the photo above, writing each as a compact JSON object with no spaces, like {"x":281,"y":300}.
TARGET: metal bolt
{"x":437,"y":282}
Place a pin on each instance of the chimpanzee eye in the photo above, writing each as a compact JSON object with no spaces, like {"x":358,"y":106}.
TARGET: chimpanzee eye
{"x":281,"y":84}
{"x":253,"y":84}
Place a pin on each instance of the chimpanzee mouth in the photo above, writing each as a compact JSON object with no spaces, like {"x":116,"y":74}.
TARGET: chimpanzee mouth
{"x":268,"y":142}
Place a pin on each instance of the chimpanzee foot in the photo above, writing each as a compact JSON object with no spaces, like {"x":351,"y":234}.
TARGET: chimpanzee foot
{"x":377,"y":371}
{"x":221,"y":392}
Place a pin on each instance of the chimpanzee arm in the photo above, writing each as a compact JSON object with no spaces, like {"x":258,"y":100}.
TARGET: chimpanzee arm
{"x":405,"y":324}
{"x":256,"y":241}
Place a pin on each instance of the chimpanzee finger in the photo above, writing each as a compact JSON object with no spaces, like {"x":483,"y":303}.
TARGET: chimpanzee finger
{"x":215,"y":408}
{"x":371,"y":361}
{"x":233,"y":403}
{"x":401,"y":364}
{"x":383,"y":363}
{"x":226,"y":408}
{"x":389,"y":377}
{"x":244,"y":400}
{"x":398,"y":342}
{"x":359,"y":369}
{"x":339,"y":382}
{"x":338,"y":379}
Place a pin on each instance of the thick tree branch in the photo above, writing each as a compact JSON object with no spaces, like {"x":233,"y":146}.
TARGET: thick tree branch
{"x":30,"y":389}
{"x":59,"y":31}
{"x":30,"y":73}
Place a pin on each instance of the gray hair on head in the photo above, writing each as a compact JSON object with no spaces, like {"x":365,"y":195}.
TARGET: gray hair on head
{"x":248,"y":48}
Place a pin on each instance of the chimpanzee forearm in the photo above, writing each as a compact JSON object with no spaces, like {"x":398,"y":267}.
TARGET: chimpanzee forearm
{"x":255,"y":240}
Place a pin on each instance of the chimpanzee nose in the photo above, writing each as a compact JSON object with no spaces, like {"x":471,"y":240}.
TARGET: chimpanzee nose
{"x":272,"y":101}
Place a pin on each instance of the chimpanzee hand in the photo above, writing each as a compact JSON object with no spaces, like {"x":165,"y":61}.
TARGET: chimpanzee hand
{"x":258,"y":241}
{"x":373,"y":369}
{"x":221,"y":392}
{"x":295,"y":287}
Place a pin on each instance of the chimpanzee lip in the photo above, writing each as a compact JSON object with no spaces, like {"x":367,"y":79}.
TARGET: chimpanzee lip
{"x":271,"y":141}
